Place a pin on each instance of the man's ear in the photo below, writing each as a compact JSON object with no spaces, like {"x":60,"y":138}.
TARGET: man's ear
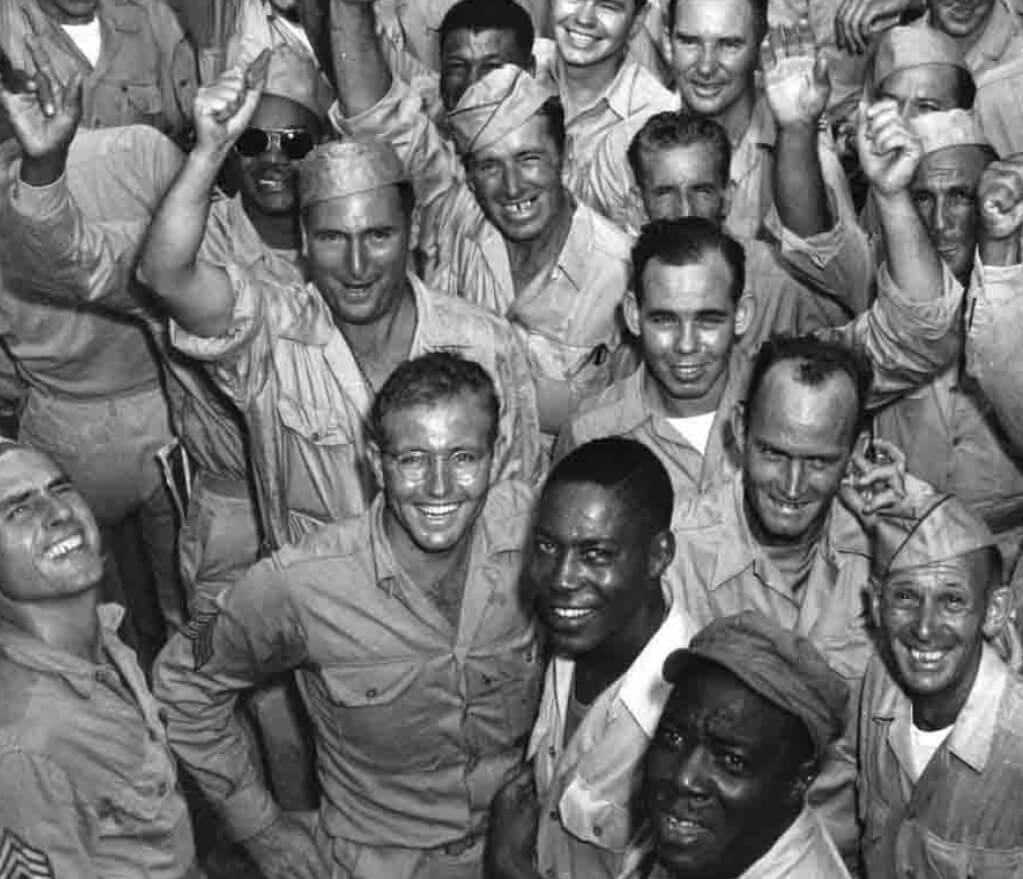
{"x":745,"y":311}
{"x":630,"y":310}
{"x":738,"y":421}
{"x":376,"y":462}
{"x":662,"y":551}
{"x":999,"y":606}
{"x":875,"y":587}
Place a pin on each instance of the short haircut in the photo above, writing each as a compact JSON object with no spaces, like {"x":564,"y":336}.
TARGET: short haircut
{"x":430,"y":379}
{"x":759,"y":7}
{"x":625,"y":467}
{"x":815,"y":359}
{"x":669,"y":129}
{"x":485,"y":15}
{"x":686,"y":242}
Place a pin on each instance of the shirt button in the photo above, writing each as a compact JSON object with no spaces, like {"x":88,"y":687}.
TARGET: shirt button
{"x":315,"y":436}
{"x":553,"y":814}
{"x":552,"y":750}
{"x":597,"y":830}
{"x":371,"y":693}
{"x":161,"y":788}
{"x":529,"y":656}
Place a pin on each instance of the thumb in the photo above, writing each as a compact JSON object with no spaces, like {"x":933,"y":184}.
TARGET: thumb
{"x":255,"y":73}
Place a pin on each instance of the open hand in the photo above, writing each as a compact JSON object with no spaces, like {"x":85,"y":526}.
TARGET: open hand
{"x":796,"y":80}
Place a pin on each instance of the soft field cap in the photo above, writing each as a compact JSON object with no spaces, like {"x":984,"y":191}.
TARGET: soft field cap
{"x":948,"y":128}
{"x":500,"y":103}
{"x":778,"y":664}
{"x":340,"y":168}
{"x":294,"y":75}
{"x":901,"y":48}
{"x":931,"y":528}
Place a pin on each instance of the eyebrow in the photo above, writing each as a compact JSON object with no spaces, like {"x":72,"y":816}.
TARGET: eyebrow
{"x":61,"y":481}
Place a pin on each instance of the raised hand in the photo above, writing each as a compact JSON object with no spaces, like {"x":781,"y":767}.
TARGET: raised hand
{"x":44,"y":109}
{"x":1000,"y":196}
{"x":889,"y":150}
{"x":857,"y":21}
{"x":876,"y":479}
{"x":796,"y":80}
{"x":223,"y":109}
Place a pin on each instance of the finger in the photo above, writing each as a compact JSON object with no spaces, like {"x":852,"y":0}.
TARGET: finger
{"x":882,"y":500}
{"x":255,"y":73}
{"x":45,"y":77}
{"x":768,"y":58}
{"x":804,"y":37}
{"x":892,"y":451}
{"x":73,"y":94}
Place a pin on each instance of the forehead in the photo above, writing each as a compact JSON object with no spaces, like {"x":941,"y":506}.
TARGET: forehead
{"x":967,"y":569}
{"x":579,"y":511}
{"x":715,"y":17}
{"x":952,"y":166}
{"x":935,"y":81}
{"x":693,"y":163}
{"x":25,"y":469}
{"x":448,"y":422}
{"x":819,"y":416}
{"x":274,"y":111}
{"x":373,"y":209}
{"x":701,"y":286}
{"x":466,"y":43}
{"x":533,"y":134}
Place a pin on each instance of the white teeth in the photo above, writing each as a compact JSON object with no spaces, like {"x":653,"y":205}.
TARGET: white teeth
{"x":570,"y":613}
{"x":681,"y":824}
{"x":927,"y":655}
{"x":521,"y":207}
{"x":65,"y":547}
{"x":439,"y":511}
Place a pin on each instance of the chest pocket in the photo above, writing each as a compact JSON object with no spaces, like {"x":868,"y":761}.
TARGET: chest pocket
{"x":946,"y":860}
{"x":322,"y":462}
{"x":376,"y":712}
{"x":132,"y":807}
{"x":519,"y":679}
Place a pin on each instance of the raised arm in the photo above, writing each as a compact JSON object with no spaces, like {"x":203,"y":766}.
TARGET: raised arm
{"x":197,"y":679}
{"x":890,"y":153}
{"x":797,"y":88}
{"x":199,"y":296}
{"x":994,"y":356}
{"x":361,"y":71}
{"x":51,"y":247}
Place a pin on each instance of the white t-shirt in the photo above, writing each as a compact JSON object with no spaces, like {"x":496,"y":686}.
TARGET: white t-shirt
{"x":87,"y":38}
{"x":923,"y":745}
{"x":696,"y":429}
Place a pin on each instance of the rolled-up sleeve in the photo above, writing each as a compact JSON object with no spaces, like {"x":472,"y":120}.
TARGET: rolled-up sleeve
{"x":400,"y":119}
{"x":52,"y":250}
{"x":255,"y":633}
{"x":43,"y":821}
{"x":909,"y":342}
{"x":837,"y":263}
{"x":994,"y":355}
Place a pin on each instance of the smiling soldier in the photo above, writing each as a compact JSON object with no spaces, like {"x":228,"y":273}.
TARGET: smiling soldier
{"x":601,"y":541}
{"x":88,"y":779}
{"x":415,"y":657}
{"x":940,"y":744}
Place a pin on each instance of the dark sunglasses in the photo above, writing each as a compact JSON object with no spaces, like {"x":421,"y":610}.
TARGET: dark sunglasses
{"x":295,"y":143}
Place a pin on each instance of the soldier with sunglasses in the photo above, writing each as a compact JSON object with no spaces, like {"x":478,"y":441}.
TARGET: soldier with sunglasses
{"x":301,"y":343}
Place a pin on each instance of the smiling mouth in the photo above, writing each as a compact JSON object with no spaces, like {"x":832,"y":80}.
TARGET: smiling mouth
{"x":580,"y":40}
{"x":571,"y":614}
{"x":438,"y":513}
{"x":520,"y":209}
{"x":926,"y":657}
{"x":789,"y":507}
{"x":681,"y":830}
{"x":65,"y":547}
{"x":687,"y":373}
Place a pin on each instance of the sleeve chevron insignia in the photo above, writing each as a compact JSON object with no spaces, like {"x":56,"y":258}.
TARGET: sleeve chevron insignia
{"x":18,"y":860}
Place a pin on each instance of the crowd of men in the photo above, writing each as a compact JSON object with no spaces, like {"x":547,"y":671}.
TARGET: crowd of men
{"x":522,"y":439}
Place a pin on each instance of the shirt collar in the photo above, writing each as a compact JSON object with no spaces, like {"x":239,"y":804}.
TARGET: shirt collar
{"x":974,"y":730}
{"x":789,"y":849}
{"x":617,"y":96}
{"x":30,"y":652}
